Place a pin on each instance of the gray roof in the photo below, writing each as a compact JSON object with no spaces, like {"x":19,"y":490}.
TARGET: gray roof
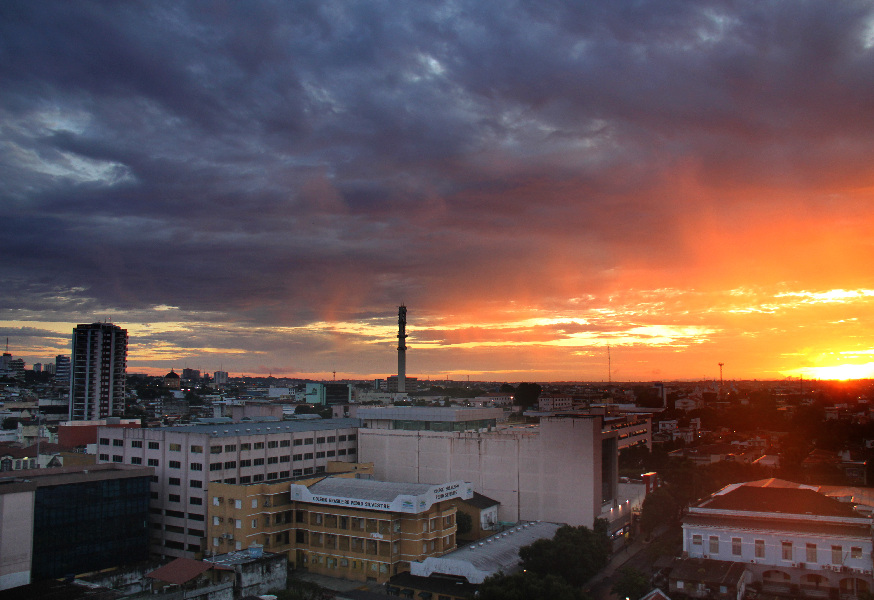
{"x":367,"y":489}
{"x":498,"y":553}
{"x":261,"y":427}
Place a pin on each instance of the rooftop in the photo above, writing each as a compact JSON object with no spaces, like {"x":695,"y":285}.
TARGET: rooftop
{"x":367,"y":489}
{"x":782,"y":500}
{"x":261,"y":428}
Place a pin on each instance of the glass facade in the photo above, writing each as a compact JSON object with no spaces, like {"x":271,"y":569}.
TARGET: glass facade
{"x":90,"y":525}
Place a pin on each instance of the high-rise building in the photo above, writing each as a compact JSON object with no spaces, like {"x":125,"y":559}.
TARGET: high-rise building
{"x":220,"y":377}
{"x":97,"y":381}
{"x":62,"y":369}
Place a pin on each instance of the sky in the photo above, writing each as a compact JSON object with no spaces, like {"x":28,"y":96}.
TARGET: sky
{"x":257,"y":186}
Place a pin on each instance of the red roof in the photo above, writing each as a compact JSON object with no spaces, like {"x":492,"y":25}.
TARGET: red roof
{"x":183,"y":570}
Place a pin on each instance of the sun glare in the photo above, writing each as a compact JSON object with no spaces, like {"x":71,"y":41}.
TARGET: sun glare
{"x":842,"y":372}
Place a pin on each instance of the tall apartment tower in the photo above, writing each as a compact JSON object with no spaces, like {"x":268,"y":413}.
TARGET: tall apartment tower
{"x":62,"y":369}
{"x":97,"y":378}
{"x":402,"y":348}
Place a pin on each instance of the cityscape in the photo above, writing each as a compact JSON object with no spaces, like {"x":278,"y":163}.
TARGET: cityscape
{"x":444,"y":301}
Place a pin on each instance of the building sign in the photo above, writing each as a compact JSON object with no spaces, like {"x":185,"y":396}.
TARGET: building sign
{"x":403,"y":503}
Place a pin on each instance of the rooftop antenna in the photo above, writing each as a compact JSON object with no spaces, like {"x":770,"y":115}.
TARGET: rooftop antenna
{"x":335,"y":375}
{"x":720,"y":374}
{"x":609,"y":368}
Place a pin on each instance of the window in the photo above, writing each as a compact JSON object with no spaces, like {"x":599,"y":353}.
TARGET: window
{"x":136,"y":444}
{"x":245,"y":463}
{"x":330,"y":453}
{"x":298,"y":442}
{"x":175,"y":464}
{"x":259,"y":461}
{"x":154,"y":446}
{"x":735,"y":546}
{"x":245,"y":447}
{"x":342,"y":438}
{"x":296,"y":472}
{"x":320,"y":455}
{"x":284,"y":443}
{"x":272,"y":475}
{"x":231,"y":464}
{"x":175,"y":447}
{"x":175,"y":481}
{"x":787,"y":550}
{"x":307,"y":471}
{"x":284,"y":474}
{"x":298,"y":457}
{"x":341,"y":452}
{"x":215,"y":466}
{"x":259,"y":445}
{"x":215,"y":449}
{"x":231,"y":480}
{"x":351,"y":451}
{"x":197,"y":449}
{"x":272,"y":460}
{"x":104,"y":441}
{"x":837,"y":555}
{"x":238,"y":503}
{"x":152,"y":462}
{"x":254,"y":503}
{"x":308,"y":456}
{"x":320,"y":440}
{"x":195,"y":500}
{"x":351,"y":437}
{"x":136,"y":460}
{"x":810,"y":553}
{"x":119,"y":443}
{"x":215,"y":520}
{"x":273,"y":444}
{"x":230,"y":447}
{"x":195,"y":483}
{"x":714,"y":544}
{"x":331,"y":439}
{"x":308,"y":441}
{"x":285,"y":458}
{"x":855,"y":552}
{"x":216,"y":500}
{"x":238,"y":524}
{"x":246,"y":479}
{"x":196,"y":467}
{"x":115,"y":458}
{"x":254,"y":523}
{"x":174,"y":497}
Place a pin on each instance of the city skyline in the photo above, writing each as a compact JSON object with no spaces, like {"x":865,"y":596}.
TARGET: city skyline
{"x":256,"y":188}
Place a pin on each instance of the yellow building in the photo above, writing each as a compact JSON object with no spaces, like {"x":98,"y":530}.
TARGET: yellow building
{"x":341,"y":526}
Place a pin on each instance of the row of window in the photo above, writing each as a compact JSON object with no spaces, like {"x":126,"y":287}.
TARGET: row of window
{"x":232,"y":464}
{"x":218,"y":449}
{"x":787,"y":549}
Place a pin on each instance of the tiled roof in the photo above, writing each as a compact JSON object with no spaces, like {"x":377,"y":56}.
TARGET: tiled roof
{"x":182,"y":570}
{"x":779,"y":500}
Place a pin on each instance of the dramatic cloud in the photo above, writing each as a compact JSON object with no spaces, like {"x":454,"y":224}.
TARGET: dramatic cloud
{"x":257,"y":186}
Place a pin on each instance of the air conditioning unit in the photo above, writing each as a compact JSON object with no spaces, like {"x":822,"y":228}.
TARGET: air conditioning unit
{"x":221,"y":519}
{"x":267,"y":503}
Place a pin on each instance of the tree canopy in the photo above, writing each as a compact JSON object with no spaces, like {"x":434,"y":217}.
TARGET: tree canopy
{"x":574,"y":553}
{"x":528,"y":586}
{"x":527,"y":394}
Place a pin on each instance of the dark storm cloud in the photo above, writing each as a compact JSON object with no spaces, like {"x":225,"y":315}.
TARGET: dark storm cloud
{"x":281,"y":161}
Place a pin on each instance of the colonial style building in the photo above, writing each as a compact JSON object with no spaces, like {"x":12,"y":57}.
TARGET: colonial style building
{"x":791,"y":538}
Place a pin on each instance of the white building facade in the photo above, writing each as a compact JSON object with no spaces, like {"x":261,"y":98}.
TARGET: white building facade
{"x":791,"y":539}
{"x":186,"y":459}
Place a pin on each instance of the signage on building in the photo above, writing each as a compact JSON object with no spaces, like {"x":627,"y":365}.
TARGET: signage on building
{"x":404,"y":503}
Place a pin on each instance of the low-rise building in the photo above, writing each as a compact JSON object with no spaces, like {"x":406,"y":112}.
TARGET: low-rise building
{"x":791,"y":538}
{"x":357,"y":529}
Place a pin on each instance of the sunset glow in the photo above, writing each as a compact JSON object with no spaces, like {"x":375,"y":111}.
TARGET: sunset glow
{"x":257,"y":190}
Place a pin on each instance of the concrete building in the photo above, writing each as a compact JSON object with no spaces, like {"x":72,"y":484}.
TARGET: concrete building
{"x":565,"y":470}
{"x":358,"y":529}
{"x":255,"y":572}
{"x":328,"y":394}
{"x":55,"y":522}
{"x":62,"y":369}
{"x":792,"y":538}
{"x":187,"y":459}
{"x":98,"y":367}
{"x":431,"y":418}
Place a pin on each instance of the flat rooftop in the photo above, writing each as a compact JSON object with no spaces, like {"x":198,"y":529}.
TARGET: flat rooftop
{"x":367,"y":489}
{"x":264,"y":427}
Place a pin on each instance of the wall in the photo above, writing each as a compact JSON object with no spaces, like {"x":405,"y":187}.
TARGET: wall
{"x":552,"y":473}
{"x":16,"y":538}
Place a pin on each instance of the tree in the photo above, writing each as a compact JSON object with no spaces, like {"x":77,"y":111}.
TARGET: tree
{"x":574,"y":553}
{"x":527,"y":394}
{"x":528,"y":586}
{"x":659,"y":506}
{"x":631,"y":583}
{"x":506,"y":388}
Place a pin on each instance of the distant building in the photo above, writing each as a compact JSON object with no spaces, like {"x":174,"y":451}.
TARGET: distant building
{"x":98,"y":368}
{"x":220,"y":377}
{"x":37,"y":367}
{"x":392,"y":384}
{"x":190,"y":376}
{"x":62,"y":369}
{"x":328,"y":394}
{"x":172,"y":381}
